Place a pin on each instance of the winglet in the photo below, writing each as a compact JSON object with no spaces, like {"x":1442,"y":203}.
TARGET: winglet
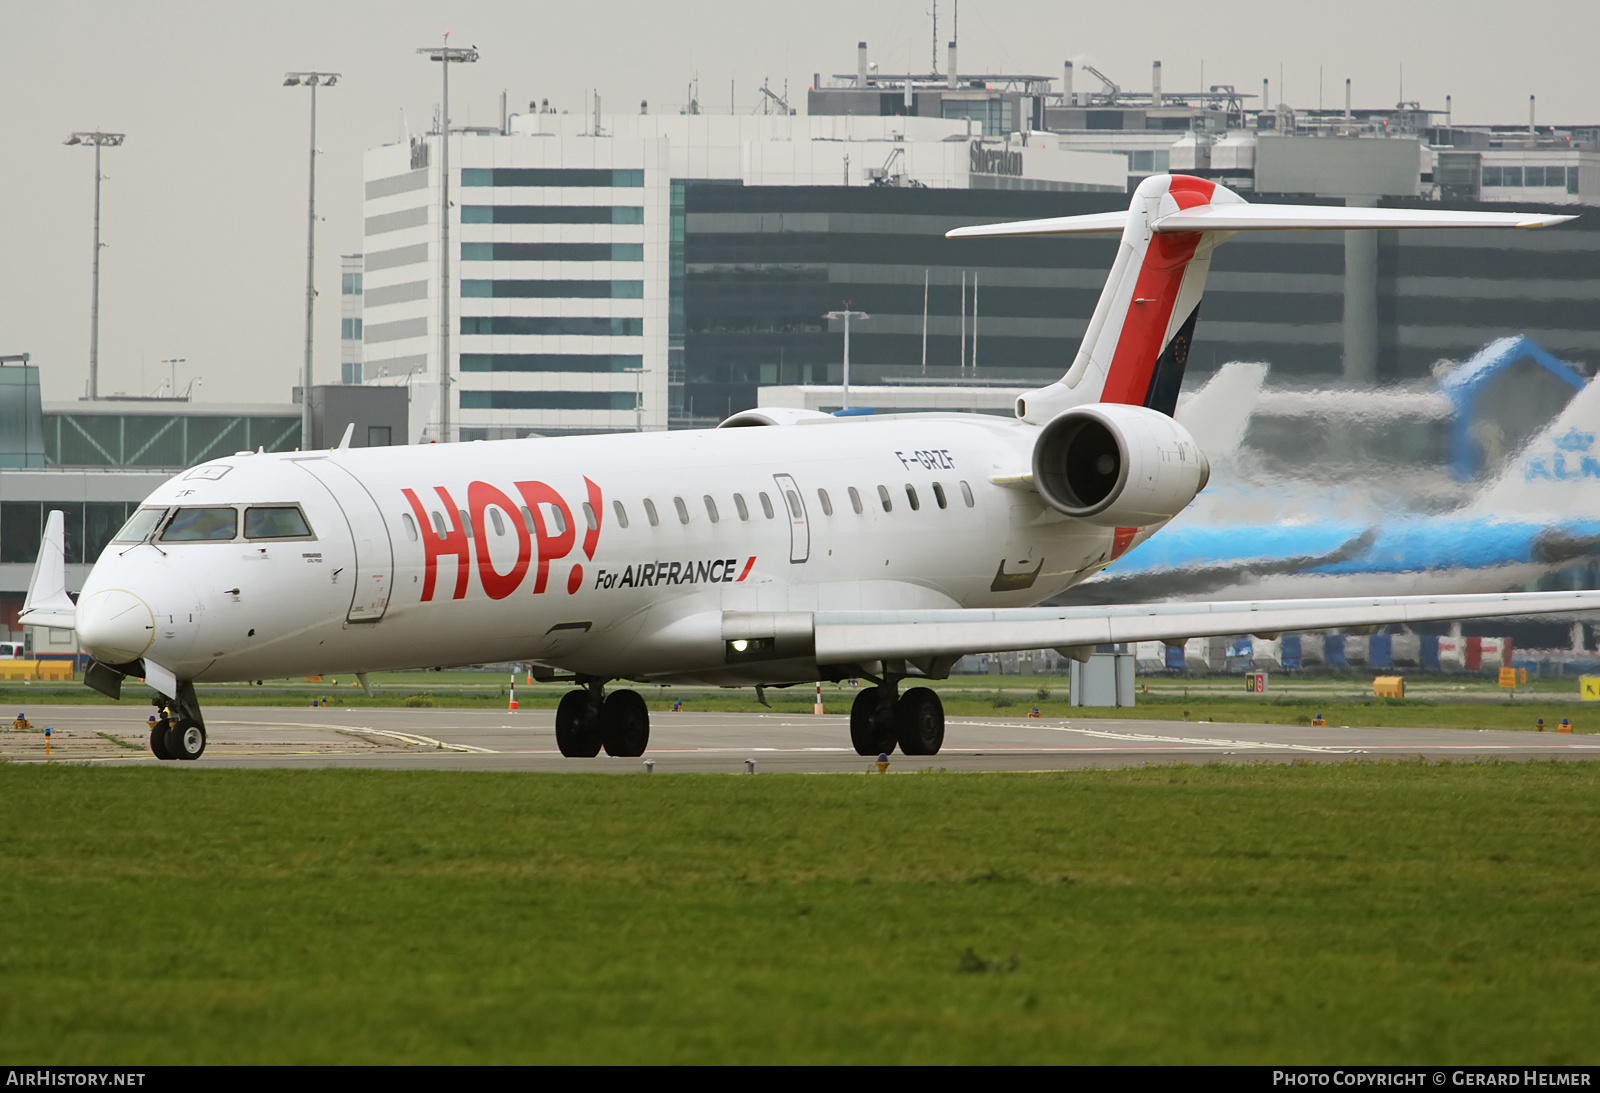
{"x":349,"y":431}
{"x":47,"y":602}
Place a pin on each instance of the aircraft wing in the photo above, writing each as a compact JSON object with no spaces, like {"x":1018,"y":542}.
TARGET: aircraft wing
{"x":47,"y":602}
{"x":849,"y":637}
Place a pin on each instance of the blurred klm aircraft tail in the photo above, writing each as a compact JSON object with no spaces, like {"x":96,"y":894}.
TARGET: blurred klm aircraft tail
{"x":1556,"y":472}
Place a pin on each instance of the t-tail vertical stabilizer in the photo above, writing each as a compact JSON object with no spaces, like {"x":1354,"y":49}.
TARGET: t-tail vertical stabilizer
{"x":1137,"y":342}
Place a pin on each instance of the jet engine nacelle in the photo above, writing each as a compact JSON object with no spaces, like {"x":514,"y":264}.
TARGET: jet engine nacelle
{"x":1118,"y":465}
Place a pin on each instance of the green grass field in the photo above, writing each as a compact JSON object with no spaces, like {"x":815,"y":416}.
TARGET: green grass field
{"x":1378,"y":913}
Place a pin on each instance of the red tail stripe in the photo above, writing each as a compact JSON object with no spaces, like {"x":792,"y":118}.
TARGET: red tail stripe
{"x":1189,"y":191}
{"x":1145,"y":326}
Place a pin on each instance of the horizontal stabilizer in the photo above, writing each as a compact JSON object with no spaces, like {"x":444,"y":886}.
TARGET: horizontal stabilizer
{"x":1237,"y":217}
{"x":1243,"y":218}
{"x":1089,"y":224}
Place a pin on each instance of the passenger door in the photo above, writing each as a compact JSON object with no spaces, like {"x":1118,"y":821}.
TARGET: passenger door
{"x":794,"y":505}
{"x":374,"y":570}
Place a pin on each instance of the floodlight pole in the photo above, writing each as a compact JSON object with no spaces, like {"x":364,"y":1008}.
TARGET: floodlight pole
{"x":447,"y":56}
{"x":98,"y":140}
{"x":847,"y":315}
{"x":311,"y":80}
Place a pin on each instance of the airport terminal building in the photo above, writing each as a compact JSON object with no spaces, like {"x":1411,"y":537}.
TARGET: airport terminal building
{"x":622,"y":271}
{"x":575,"y":291}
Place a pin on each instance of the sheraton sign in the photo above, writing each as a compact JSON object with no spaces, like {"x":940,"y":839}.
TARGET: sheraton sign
{"x":994,"y":161}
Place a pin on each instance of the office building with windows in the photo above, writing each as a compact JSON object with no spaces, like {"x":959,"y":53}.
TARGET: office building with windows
{"x":350,"y":318}
{"x":612,"y":271}
{"x":569,"y":238}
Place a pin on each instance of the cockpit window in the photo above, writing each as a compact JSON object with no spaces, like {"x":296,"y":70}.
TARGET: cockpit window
{"x":139,"y":526}
{"x":275,"y":522}
{"x":196,"y":525}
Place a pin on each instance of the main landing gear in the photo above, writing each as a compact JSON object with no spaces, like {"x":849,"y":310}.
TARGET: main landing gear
{"x":879,"y":719}
{"x":177,"y":731}
{"x":589,"y":719}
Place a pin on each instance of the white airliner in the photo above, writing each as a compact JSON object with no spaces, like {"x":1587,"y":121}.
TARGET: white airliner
{"x":780,"y":548}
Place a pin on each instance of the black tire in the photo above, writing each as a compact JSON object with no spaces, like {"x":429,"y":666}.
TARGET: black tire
{"x":158,"y":741}
{"x":868,"y":734}
{"x":624,"y":724}
{"x":919,"y":722}
{"x":186,"y":740}
{"x":576,"y":733}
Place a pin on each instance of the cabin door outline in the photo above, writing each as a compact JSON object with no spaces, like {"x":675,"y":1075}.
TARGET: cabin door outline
{"x":793,"y":503}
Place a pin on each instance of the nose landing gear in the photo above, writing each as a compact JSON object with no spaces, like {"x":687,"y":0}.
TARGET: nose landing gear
{"x":589,"y":719}
{"x":177,"y":731}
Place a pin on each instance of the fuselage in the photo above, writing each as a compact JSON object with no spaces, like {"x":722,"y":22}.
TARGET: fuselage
{"x":606,"y":555}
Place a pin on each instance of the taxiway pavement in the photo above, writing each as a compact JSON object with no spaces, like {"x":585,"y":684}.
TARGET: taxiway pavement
{"x":498,"y":740}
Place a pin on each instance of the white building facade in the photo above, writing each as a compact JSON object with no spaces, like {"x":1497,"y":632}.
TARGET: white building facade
{"x":566,"y":248}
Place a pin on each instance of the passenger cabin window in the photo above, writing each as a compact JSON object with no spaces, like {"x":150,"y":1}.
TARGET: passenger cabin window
{"x":622,"y":513}
{"x":494,"y":518}
{"x":794,"y":504}
{"x":650,"y":513}
{"x":827,"y":505}
{"x":911,"y":496}
{"x":683,"y":510}
{"x":140,"y":526}
{"x":557,"y":520}
{"x":202,"y":525}
{"x":591,"y":520}
{"x":438,"y":525}
{"x":883,"y":499}
{"x":711,"y":508}
{"x":766,"y":505}
{"x":738,"y":503}
{"x":411,"y":526}
{"x":855,"y":500}
{"x":966,"y":493}
{"x":466,"y":521}
{"x":527,"y":519}
{"x":939,"y":497}
{"x":275,"y":522}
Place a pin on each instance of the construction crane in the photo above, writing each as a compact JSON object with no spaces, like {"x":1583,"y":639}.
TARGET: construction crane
{"x":1112,"y":90}
{"x":772,"y":99}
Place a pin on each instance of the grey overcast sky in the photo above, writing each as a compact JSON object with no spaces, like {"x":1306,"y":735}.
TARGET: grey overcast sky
{"x":204,"y":207}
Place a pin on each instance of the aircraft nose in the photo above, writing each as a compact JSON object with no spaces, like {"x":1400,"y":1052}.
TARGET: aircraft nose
{"x":115,"y":626}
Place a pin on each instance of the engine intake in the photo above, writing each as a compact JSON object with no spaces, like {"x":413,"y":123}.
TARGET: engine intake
{"x":1118,"y":465}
